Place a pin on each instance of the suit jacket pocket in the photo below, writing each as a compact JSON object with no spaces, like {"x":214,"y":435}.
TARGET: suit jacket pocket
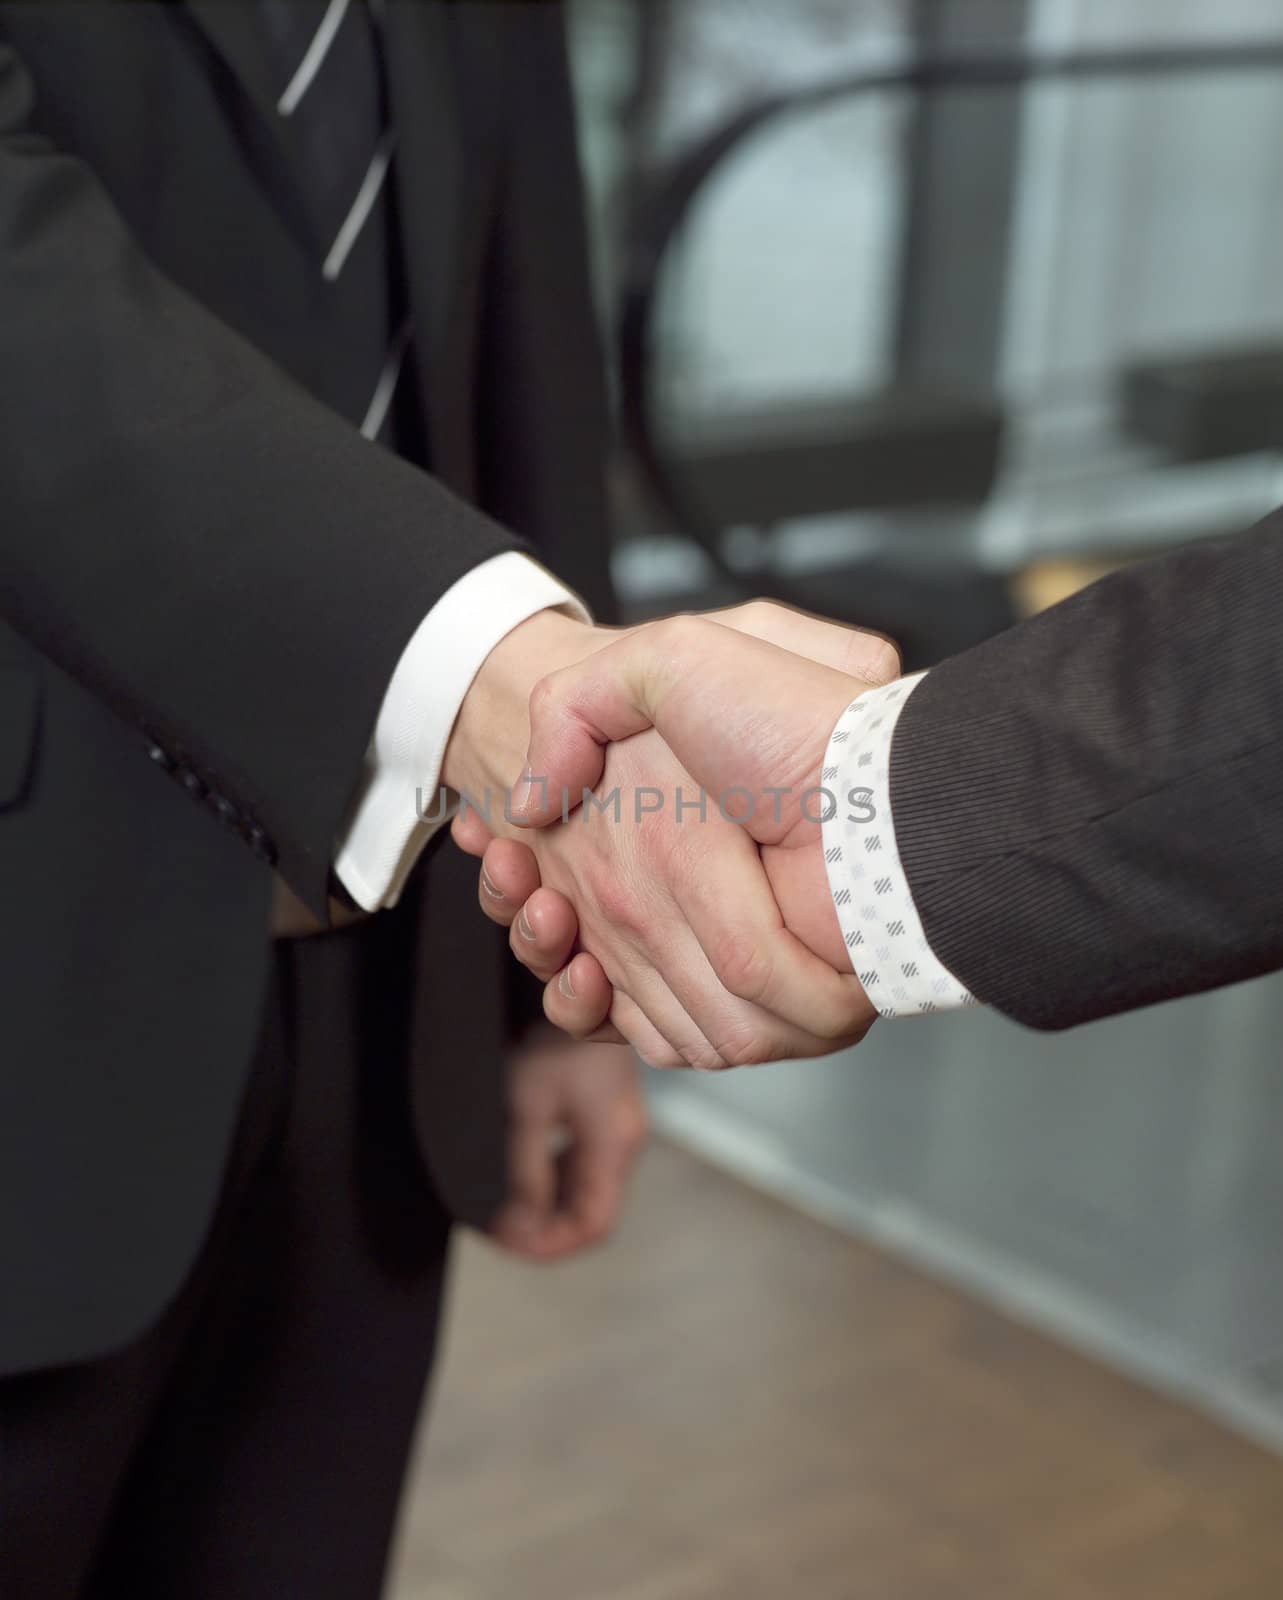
{"x":19,"y":724}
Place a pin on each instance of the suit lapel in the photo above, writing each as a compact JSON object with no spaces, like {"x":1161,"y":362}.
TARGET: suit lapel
{"x":233,"y":29}
{"x":445,"y":184}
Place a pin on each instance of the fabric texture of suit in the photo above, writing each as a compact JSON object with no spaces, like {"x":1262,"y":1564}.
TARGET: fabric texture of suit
{"x":1088,"y":806}
{"x":208,"y":577}
{"x":251,"y":1443}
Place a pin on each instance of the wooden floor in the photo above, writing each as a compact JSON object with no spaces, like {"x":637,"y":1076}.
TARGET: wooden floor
{"x":734,"y":1403}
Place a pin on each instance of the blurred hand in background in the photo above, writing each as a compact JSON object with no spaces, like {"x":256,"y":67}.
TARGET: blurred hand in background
{"x":576,"y":1125}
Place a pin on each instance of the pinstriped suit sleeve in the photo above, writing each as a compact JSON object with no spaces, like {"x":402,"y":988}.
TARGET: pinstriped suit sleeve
{"x":1085,"y":810}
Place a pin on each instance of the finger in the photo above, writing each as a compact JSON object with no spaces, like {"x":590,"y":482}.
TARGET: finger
{"x":651,"y":980}
{"x":617,"y":692}
{"x":858,"y":652}
{"x":469,"y":832}
{"x":608,"y":1132}
{"x":633,"y":1025}
{"x":804,"y":1013}
{"x":532,"y":1171}
{"x":543,"y":933}
{"x":643,"y":1010}
{"x":757,"y":960}
{"x":578,"y":999}
{"x":581,"y":1002}
{"x":597,"y":1169}
{"x":509,"y":876}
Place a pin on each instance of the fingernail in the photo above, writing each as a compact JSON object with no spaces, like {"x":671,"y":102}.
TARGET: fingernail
{"x":495,"y":894}
{"x":564,"y":984}
{"x":523,"y":926}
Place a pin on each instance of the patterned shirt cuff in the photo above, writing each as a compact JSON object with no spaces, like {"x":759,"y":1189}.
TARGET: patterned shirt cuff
{"x":889,"y":951}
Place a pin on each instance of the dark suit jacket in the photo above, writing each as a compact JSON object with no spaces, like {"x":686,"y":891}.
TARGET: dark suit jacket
{"x":1090,"y":806}
{"x":208,"y":578}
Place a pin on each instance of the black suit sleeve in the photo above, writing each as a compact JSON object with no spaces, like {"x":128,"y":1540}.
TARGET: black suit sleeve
{"x":1089,"y":807}
{"x":230,"y":566}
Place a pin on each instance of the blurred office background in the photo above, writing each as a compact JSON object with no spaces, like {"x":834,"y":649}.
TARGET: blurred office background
{"x":928,"y":358}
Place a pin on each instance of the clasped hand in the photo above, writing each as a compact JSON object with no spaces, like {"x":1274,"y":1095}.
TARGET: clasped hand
{"x":661,"y":865}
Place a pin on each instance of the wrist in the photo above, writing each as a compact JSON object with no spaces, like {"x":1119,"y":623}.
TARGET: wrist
{"x":487,"y":746}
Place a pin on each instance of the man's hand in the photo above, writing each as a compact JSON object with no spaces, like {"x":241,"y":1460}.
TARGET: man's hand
{"x":544,"y":932}
{"x":577,"y":1123}
{"x":489,"y":736}
{"x":747,"y":717}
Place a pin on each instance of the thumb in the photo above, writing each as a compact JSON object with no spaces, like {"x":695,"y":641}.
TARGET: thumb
{"x":736,"y":711}
{"x":576,"y":712}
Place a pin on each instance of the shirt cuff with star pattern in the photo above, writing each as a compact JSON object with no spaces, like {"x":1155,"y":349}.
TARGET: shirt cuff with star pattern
{"x":889,"y":952}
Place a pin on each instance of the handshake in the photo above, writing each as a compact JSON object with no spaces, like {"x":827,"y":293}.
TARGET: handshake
{"x":661,"y":860}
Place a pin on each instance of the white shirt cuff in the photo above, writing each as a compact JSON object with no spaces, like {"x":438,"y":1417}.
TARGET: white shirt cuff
{"x":901,"y":974}
{"x":398,"y":809}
